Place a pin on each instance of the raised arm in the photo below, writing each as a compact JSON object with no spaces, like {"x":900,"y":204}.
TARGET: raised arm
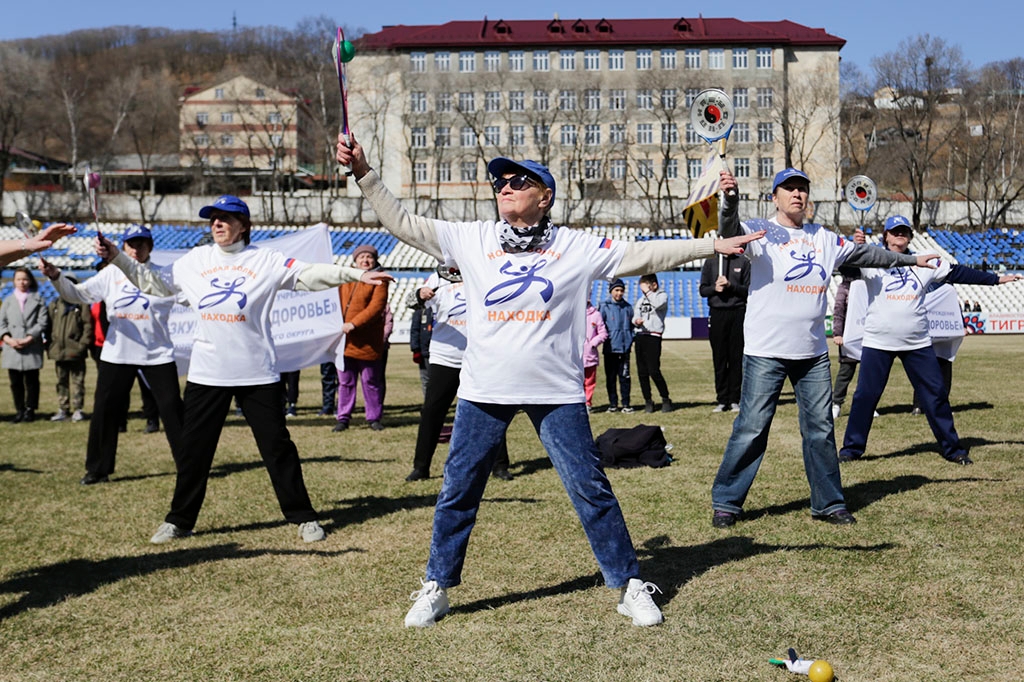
{"x":142,"y":275}
{"x":68,"y":290}
{"x":668,"y":254}
{"x":320,"y":276}
{"x":729,"y":211}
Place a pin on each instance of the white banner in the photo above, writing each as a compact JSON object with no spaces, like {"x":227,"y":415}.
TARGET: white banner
{"x":306,"y":325}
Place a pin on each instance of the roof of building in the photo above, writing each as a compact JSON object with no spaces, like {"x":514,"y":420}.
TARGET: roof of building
{"x":558,"y":33}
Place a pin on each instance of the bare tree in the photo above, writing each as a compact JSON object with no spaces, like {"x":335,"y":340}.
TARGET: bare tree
{"x":19,"y":78}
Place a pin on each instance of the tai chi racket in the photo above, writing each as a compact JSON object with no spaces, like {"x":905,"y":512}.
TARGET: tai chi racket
{"x":712,"y":117}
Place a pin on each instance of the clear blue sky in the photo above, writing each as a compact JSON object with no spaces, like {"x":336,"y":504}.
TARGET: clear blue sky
{"x":986,"y":30}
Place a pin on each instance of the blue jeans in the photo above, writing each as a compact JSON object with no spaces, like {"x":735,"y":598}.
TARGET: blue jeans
{"x":925,"y":376}
{"x":565,"y":433}
{"x":762,"y":383}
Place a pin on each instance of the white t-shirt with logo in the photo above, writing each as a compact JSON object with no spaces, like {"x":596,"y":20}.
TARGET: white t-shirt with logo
{"x":138,"y":333}
{"x":897,"y":317}
{"x":790,"y":270}
{"x":232,"y":294}
{"x":448,"y":337}
{"x":526,"y":312}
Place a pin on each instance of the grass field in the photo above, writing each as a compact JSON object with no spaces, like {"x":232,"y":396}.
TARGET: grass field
{"x":928,"y":586}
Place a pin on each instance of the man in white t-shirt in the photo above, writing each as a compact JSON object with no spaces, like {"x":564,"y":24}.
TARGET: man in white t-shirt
{"x":784,"y":337}
{"x":526,"y":285}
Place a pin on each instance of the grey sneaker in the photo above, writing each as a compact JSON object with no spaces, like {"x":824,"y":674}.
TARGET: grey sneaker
{"x":431,"y":604}
{"x":167,"y":532}
{"x":719,"y":408}
{"x":635,"y":602}
{"x":626,"y":409}
{"x":311,"y":531}
{"x":60,"y":416}
{"x":77,"y":416}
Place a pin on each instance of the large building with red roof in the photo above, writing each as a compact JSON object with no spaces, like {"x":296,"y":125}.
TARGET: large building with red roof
{"x":603,"y":102}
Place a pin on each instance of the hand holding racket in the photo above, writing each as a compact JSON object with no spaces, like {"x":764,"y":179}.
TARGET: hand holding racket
{"x":712,"y":118}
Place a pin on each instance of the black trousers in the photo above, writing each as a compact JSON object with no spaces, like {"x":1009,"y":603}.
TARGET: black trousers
{"x":329,"y":387}
{"x":206,"y":408}
{"x":442,"y":388}
{"x":290,"y":384}
{"x":113,"y":388}
{"x":25,"y":389}
{"x":726,"y":337}
{"x":616,"y":368}
{"x":648,"y":365}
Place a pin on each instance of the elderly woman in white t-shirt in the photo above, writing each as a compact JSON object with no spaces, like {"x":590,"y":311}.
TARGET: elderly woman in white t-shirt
{"x":526,"y":285}
{"x":232,"y":285}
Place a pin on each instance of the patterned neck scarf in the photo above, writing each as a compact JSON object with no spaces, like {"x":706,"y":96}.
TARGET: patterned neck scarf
{"x":523,"y":239}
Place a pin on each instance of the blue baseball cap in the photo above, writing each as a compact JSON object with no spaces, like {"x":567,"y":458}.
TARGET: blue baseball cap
{"x":227,"y":203}
{"x":786,"y":174}
{"x":136,"y":231}
{"x":501,"y":165}
{"x":894,"y":221}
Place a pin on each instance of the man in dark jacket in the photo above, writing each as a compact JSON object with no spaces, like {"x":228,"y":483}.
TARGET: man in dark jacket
{"x":724,"y":281}
{"x":71,"y":335}
{"x":618,"y":318}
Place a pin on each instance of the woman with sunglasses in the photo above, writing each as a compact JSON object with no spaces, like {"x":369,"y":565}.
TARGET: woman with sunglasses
{"x":232,"y":285}
{"x":526,"y":284}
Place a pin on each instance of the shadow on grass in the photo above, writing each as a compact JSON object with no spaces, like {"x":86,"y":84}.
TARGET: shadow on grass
{"x":530,"y":466}
{"x":51,"y":584}
{"x":931,"y":447}
{"x":13,"y":468}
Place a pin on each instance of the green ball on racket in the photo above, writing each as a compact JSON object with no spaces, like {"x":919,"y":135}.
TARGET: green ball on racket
{"x":348,"y":51}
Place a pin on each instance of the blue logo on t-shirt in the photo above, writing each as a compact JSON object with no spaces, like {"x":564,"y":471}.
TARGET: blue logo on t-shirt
{"x":901,"y":278}
{"x":459,"y":308}
{"x":132,"y":295}
{"x":520,"y":282}
{"x":225,"y":292}
{"x":805,"y":266}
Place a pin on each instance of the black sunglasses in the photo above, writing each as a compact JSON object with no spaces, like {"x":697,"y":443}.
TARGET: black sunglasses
{"x":516,"y":182}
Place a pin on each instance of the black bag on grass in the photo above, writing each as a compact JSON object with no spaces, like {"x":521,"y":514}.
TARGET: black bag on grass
{"x":638,"y":446}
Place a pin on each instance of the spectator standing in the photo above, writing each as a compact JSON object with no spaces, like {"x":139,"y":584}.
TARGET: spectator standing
{"x":71,"y":336}
{"x":725,"y":281}
{"x":420,"y":330}
{"x":649,"y":326}
{"x":597,"y":333}
{"x":23,"y":319}
{"x":617,"y":314}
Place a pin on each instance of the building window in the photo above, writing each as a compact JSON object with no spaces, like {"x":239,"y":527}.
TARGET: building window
{"x":669,"y":99}
{"x":274,"y":117}
{"x":567,"y":100}
{"x":227,"y":162}
{"x":617,"y":133}
{"x":443,"y":100}
{"x":741,"y":132}
{"x":592,"y":60}
{"x":765,"y":168}
{"x":568,"y":138}
{"x":442,"y":136}
{"x":467,"y":171}
{"x":592,"y":134}
{"x":645,"y":169}
{"x":645,"y":133}
{"x":418,"y":102}
{"x":419,"y":172}
{"x":765,"y":98}
{"x":201,"y":140}
{"x":467,"y":136}
{"x":617,"y":169}
{"x":218,"y":93}
{"x":739,"y":58}
{"x":592,"y":169}
{"x":716,"y":59}
{"x":592,"y":99}
{"x":516,"y":100}
{"x":276,"y":140}
{"x":418,"y":62}
{"x":569,"y":170}
{"x":740,"y":98}
{"x":492,"y":100}
{"x":691,"y":135}
{"x":567,"y":60}
{"x":694,"y":167}
{"x":467,"y":103}
{"x":261,"y":93}
{"x":765,"y":133}
{"x":669,"y":133}
{"x":444,"y":171}
{"x":671,"y":169}
{"x":492,"y":136}
{"x":616,"y":60}
{"x":764,"y":57}
{"x":443,"y":61}
{"x":541,"y":135}
{"x":541,"y":101}
{"x":617,"y":100}
{"x":227,"y":140}
{"x":518,"y":136}
{"x":643,"y":60}
{"x":227,"y":117}
{"x":741,"y":168}
{"x":516,"y":60}
{"x":418,"y":138}
{"x":541,"y":61}
{"x":492,"y":61}
{"x":691,"y":95}
{"x":467,"y":62}
{"x":692,"y":57}
{"x":668,"y":58}
{"x":644,"y":99}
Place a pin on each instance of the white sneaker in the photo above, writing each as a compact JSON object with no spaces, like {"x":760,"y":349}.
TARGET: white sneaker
{"x":636,"y":603}
{"x":167,"y":532}
{"x":735,"y":407}
{"x":311,"y":531}
{"x":60,"y":416}
{"x":836,"y":409}
{"x":876,"y":415}
{"x":719,"y":408}
{"x":77,"y":416}
{"x":431,"y":604}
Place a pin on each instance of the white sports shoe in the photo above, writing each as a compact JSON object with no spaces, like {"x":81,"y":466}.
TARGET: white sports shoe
{"x":431,"y":604}
{"x":77,"y":416}
{"x":636,"y":603}
{"x":167,"y":532}
{"x":311,"y":531}
{"x":836,"y":409}
{"x":719,"y":408}
{"x":60,"y":416}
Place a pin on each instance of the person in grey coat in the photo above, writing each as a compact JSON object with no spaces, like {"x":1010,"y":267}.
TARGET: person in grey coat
{"x":23,"y":317}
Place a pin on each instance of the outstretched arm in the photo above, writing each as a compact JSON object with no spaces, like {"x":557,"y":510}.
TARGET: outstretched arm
{"x":666,"y":254}
{"x":320,"y":276}
{"x":142,"y":275}
{"x":15,"y":249}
